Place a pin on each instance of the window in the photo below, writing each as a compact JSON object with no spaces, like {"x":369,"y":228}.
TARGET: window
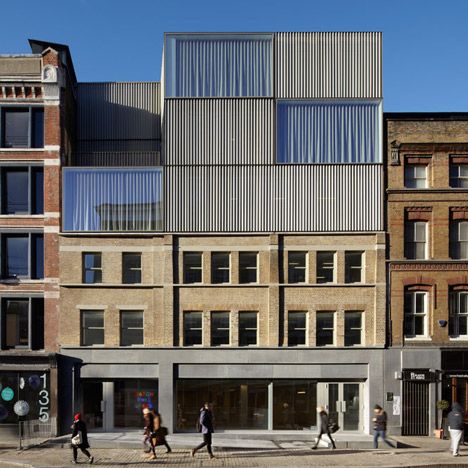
{"x":22,"y":190}
{"x":297,"y":267}
{"x":23,"y":256}
{"x":248,"y":267}
{"x":324,"y":132}
{"x":415,"y":314}
{"x":193,"y":330}
{"x":459,"y":240}
{"x":92,"y":327}
{"x":325,"y":326}
{"x":459,"y":175}
{"x":218,"y":65}
{"x":220,"y":328}
{"x":416,"y":240}
{"x":92,"y":268}
{"x":22,"y":127}
{"x":22,"y":322}
{"x":353,"y":328}
{"x":353,"y":267}
{"x":220,"y":267}
{"x":193,"y":267}
{"x":458,"y":324}
{"x":297,"y":328}
{"x":415,"y":176}
{"x":325,"y":267}
{"x":131,"y":268}
{"x":131,"y":327}
{"x":248,"y":327}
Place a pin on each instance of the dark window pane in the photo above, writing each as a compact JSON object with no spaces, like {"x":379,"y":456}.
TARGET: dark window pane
{"x":193,"y":328}
{"x":248,"y":324}
{"x":419,"y":325}
{"x":37,"y":134}
{"x":92,"y":271}
{"x":325,"y":329}
{"x":15,"y":191}
{"x":325,"y":267}
{"x":219,"y":328}
{"x":297,"y":328}
{"x":37,"y":190}
{"x":220,"y":267}
{"x":92,"y":327}
{"x":297,"y":267}
{"x":131,"y":323}
{"x":16,"y":255}
{"x":37,"y":260}
{"x":353,"y":267}
{"x":16,"y":329}
{"x":192,"y":267}
{"x":131,"y":268}
{"x":37,"y":323}
{"x":353,"y":328}
{"x":248,"y":267}
{"x":16,"y":128}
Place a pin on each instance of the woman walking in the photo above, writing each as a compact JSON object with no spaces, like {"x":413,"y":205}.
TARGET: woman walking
{"x":324,"y":427}
{"x":148,"y":416}
{"x":79,"y":438}
{"x":160,"y":432}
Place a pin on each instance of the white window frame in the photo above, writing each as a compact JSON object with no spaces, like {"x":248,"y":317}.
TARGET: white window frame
{"x":459,"y":181}
{"x":333,"y":268}
{"x":361,"y":313}
{"x":305,"y":329}
{"x":334,"y":328}
{"x":184,"y":266}
{"x":185,"y":313}
{"x":412,"y":241}
{"x":412,"y":178}
{"x":247,"y":328}
{"x":250,"y":268}
{"x":82,"y":330}
{"x":131,"y":311}
{"x":295,"y":267}
{"x":456,"y":241}
{"x":415,"y":314}
{"x":455,"y":314}
{"x":228,"y":268}
{"x":214,"y":312}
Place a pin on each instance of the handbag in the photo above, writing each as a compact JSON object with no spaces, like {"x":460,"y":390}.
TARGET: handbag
{"x":78,"y":439}
{"x":333,"y":427}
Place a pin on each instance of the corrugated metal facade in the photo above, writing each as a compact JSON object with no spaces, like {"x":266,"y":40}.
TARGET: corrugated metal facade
{"x":328,"y":65}
{"x":219,"y":131}
{"x":291,"y":198}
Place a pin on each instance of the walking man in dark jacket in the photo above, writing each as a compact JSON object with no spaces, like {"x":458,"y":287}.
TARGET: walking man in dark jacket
{"x":80,"y":439}
{"x":380,"y":426}
{"x":206,"y":428}
{"x":456,"y":426}
{"x":324,"y":427}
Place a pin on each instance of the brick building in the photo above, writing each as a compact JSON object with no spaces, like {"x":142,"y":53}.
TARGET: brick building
{"x":36,"y":133}
{"x":427,"y":213}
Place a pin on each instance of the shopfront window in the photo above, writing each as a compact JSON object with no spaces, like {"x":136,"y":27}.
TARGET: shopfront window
{"x":130,"y":397}
{"x":236,"y":404}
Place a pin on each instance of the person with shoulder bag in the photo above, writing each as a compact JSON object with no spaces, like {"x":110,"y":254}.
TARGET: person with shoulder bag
{"x":159,"y":432}
{"x":79,"y":439}
{"x":325,"y":427}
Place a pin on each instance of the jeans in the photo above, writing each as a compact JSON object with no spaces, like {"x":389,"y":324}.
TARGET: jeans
{"x":456,"y":436}
{"x":207,"y":442}
{"x":382,"y":434}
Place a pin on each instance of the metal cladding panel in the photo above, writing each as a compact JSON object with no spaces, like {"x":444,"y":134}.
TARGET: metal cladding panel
{"x":119,"y":111}
{"x":329,"y":65}
{"x":282,"y":198}
{"x":219,"y":131}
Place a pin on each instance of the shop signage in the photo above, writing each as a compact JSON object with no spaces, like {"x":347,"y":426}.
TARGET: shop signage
{"x":419,"y":375}
{"x":8,"y":394}
{"x":21,"y":408}
{"x":459,"y":376}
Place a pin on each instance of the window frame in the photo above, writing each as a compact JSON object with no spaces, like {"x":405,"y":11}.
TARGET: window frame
{"x":130,"y":270}
{"x":321,"y":313}
{"x":228,"y":268}
{"x":347,"y":314}
{"x":333,"y":269}
{"x":292,"y":267}
{"x":83,"y":312}
{"x":243,"y":313}
{"x":93,"y":269}
{"x":142,"y":328}
{"x":185,"y":271}
{"x":31,"y":126}
{"x":361,"y":268}
{"x":455,"y":314}
{"x":413,"y":314}
{"x":411,"y":243}
{"x":248,"y":267}
{"x":456,"y":243}
{"x":458,"y":178}
{"x":213,"y":314}
{"x":303,"y":330}
{"x":414,"y":179}
{"x":32,"y":261}
{"x":184,"y":334}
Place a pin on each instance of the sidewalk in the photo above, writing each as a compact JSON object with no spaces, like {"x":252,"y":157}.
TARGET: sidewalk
{"x":290,"y":454}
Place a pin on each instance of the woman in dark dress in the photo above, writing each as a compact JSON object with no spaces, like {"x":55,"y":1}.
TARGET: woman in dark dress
{"x":79,"y":428}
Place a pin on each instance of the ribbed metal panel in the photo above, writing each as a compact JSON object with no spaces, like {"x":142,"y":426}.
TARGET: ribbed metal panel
{"x":119,"y":111}
{"x":329,"y":65}
{"x":219,"y":131}
{"x":289,"y":198}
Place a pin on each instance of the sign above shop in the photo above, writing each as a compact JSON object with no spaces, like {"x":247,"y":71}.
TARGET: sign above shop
{"x":419,"y":375}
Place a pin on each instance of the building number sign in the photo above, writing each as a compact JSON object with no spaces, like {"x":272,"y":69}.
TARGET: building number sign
{"x":44,"y":400}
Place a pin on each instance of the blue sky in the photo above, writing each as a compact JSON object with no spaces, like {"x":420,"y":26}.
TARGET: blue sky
{"x":425,"y":41}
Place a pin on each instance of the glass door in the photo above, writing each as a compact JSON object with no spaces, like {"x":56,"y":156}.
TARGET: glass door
{"x":92,"y":398}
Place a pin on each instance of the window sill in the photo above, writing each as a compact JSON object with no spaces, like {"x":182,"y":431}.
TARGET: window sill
{"x":418,"y":338}
{"x":21,"y":216}
{"x":459,"y":338}
{"x":18,"y":150}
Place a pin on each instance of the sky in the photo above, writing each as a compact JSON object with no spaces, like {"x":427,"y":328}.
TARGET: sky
{"x":425,"y":42}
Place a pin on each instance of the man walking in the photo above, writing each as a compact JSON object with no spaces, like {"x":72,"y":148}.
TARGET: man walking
{"x":456,"y":426}
{"x":324,"y":427}
{"x":380,"y":426}
{"x":206,"y":428}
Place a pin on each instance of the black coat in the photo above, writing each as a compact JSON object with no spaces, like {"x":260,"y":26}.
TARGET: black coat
{"x":323,"y":426}
{"x":81,"y":426}
{"x":380,"y":423}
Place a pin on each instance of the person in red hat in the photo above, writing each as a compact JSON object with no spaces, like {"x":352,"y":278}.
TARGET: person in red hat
{"x":79,"y":439}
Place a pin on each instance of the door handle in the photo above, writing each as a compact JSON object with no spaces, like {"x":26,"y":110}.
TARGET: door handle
{"x":343,"y":406}
{"x":338,"y":406}
{"x":103,"y":406}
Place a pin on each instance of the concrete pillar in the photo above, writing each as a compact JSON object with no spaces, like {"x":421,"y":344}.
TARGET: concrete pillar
{"x":166,"y":399}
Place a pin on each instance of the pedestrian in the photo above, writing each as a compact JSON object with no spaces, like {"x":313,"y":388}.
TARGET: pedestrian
{"x":456,"y":426}
{"x":205,"y":424}
{"x":380,"y":426}
{"x":160,"y":432}
{"x":324,"y":427}
{"x":149,"y":430}
{"x":79,"y":438}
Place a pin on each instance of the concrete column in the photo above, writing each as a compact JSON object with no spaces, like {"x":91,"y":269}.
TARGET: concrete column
{"x":270,"y":406}
{"x":166,"y":398}
{"x":108,"y":398}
